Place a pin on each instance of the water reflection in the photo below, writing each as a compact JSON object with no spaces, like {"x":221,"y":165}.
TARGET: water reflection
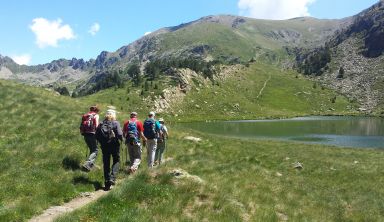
{"x":340,"y":131}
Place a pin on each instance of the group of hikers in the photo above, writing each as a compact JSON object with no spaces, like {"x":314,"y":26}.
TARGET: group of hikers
{"x":108,"y":133}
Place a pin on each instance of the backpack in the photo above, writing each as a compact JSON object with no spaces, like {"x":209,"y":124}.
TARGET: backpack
{"x":132,"y":133}
{"x":150,"y":129}
{"x":105,"y":133}
{"x":88,"y":123}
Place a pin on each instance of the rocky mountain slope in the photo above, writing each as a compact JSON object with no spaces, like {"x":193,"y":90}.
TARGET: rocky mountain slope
{"x":356,"y":60}
{"x":56,"y":72}
{"x":224,"y":37}
{"x":354,"y":44}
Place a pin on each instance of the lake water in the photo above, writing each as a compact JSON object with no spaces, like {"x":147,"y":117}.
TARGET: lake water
{"x":329,"y":130}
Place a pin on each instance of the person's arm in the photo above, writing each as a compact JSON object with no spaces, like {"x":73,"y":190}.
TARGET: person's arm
{"x":119,"y":131}
{"x":140,"y":128}
{"x":97,"y":120}
{"x":142,"y":136}
{"x":165,"y":131}
{"x":125,"y":131}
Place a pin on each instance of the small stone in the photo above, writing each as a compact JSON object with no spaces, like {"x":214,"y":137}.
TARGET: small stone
{"x":279,"y":174}
{"x":282,"y":216}
{"x":85,"y":194}
{"x":298,"y":165}
{"x":191,"y":138}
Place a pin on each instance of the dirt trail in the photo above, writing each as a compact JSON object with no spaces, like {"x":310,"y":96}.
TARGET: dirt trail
{"x":265,"y":84}
{"x":52,"y":213}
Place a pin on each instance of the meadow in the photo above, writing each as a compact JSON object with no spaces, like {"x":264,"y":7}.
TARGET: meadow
{"x":40,"y":151}
{"x":219,"y":179}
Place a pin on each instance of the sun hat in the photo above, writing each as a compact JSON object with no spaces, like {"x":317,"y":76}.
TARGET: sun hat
{"x":151,"y":113}
{"x":111,"y":107}
{"x":111,"y":110}
{"x":161,"y":120}
{"x":133,"y":113}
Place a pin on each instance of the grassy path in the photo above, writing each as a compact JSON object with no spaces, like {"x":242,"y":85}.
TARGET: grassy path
{"x":54,"y":212}
{"x":265,"y":84}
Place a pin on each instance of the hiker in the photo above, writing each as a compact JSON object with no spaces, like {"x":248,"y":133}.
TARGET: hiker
{"x":109,"y":134}
{"x":151,"y":132}
{"x":88,"y":126}
{"x":161,"y":141}
{"x":132,"y":131}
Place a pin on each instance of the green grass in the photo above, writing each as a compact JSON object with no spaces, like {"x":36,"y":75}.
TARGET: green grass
{"x":253,"y":38}
{"x":41,"y":149}
{"x":286,"y":94}
{"x":222,"y":39}
{"x":39,"y":133}
{"x":248,"y":181}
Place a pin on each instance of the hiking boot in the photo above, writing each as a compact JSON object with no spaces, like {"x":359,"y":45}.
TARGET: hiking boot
{"x":112,"y":182}
{"x":85,"y":168}
{"x":129,"y":170}
{"x":107,"y":186}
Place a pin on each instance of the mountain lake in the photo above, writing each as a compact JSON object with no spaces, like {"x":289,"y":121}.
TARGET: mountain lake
{"x":364,"y":132}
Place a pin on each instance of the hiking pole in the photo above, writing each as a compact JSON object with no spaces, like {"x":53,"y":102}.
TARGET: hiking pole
{"x":126,"y":155}
{"x":86,"y":152}
{"x":122,"y":154}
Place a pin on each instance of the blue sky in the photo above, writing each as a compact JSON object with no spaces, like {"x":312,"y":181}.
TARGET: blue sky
{"x":39,"y":31}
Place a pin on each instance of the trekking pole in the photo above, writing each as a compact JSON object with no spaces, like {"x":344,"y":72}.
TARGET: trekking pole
{"x":86,"y":152}
{"x":126,"y":155}
{"x":122,"y":154}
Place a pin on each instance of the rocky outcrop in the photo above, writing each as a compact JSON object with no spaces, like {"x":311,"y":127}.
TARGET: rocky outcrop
{"x":361,"y":75}
{"x":370,"y":25}
{"x":358,"y":50}
{"x":285,"y":35}
{"x":187,"y":80}
{"x":175,"y":94}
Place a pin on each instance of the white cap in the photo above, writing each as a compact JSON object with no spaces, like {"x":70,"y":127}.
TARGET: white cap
{"x":111,"y":107}
{"x":151,"y":113}
{"x":112,"y":111}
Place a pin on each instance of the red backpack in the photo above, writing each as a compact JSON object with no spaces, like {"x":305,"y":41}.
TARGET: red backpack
{"x":88,"y":123}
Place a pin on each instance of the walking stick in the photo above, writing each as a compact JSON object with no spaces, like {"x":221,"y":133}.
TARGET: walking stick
{"x":121,"y":154}
{"x":86,"y":152}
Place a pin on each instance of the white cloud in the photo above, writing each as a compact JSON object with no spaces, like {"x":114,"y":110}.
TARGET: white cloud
{"x":48,"y":33}
{"x":147,"y":33}
{"x":274,"y":9}
{"x":24,"y":59}
{"x":94,"y":28}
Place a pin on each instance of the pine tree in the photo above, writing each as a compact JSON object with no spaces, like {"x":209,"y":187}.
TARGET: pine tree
{"x":341,"y":73}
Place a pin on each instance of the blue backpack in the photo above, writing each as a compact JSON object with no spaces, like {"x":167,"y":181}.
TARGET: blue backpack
{"x":150,"y":129}
{"x":133,"y":133}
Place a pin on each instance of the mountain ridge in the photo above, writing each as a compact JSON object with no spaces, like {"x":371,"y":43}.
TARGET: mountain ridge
{"x":228,"y":39}
{"x":134,"y":50}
